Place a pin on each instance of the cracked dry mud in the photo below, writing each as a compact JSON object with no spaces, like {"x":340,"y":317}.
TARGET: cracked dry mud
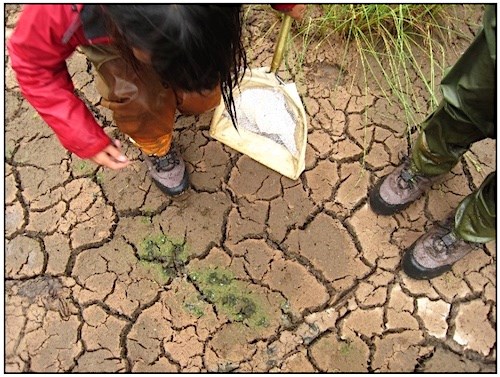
{"x":249,"y":271}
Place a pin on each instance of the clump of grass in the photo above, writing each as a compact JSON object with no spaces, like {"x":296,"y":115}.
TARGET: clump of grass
{"x":394,"y":42}
{"x":390,"y":34}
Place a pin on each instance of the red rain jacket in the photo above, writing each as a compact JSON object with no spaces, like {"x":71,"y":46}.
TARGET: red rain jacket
{"x":44,"y":37}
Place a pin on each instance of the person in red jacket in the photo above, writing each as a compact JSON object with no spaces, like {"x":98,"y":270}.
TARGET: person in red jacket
{"x":151,"y":60}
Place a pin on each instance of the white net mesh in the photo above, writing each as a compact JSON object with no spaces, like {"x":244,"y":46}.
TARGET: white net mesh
{"x":265,"y":111}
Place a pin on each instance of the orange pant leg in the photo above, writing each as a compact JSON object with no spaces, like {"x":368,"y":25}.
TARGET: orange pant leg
{"x":142,"y":108}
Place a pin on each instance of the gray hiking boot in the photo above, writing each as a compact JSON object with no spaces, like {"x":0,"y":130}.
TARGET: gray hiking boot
{"x":435,"y":252}
{"x":397,"y":190}
{"x":169,"y":172}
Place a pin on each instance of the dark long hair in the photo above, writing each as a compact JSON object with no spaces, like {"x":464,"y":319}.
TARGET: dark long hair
{"x":192,"y":47}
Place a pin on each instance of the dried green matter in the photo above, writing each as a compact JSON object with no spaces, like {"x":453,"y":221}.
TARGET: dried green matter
{"x":161,"y":254}
{"x":146,"y":220}
{"x":346,"y":348}
{"x":82,"y":168}
{"x":159,"y":274}
{"x":161,"y":248}
{"x":230,"y":296}
{"x":99,"y":177}
{"x":194,"y":308}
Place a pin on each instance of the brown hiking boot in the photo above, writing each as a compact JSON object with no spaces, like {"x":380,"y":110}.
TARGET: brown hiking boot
{"x":435,"y":252}
{"x":397,"y":190}
{"x":169,"y":172}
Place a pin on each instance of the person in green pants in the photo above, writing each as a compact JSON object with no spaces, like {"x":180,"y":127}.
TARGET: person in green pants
{"x":466,"y":114}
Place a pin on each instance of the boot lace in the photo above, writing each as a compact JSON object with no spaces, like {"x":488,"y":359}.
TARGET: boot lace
{"x":167,"y":162}
{"x":407,"y":180}
{"x":445,"y":244}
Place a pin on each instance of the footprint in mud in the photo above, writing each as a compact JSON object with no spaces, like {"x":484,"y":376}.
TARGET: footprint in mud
{"x":328,"y":73}
{"x":45,"y":289}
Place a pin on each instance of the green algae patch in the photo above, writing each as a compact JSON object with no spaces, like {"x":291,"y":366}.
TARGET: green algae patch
{"x":231,"y":296}
{"x":158,"y":273}
{"x":163,"y":249}
{"x":195,"y":308}
{"x":346,"y":348}
{"x":161,"y":255}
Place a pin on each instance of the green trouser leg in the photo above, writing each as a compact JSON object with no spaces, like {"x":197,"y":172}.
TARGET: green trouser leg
{"x":475,"y":216}
{"x":467,"y":112}
{"x":465,"y":115}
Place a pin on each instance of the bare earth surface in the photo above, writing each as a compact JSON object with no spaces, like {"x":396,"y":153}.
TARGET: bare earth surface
{"x":249,"y":271}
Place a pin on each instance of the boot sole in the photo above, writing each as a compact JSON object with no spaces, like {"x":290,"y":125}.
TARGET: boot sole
{"x":175,"y":191}
{"x":416,"y":271}
{"x":381,"y":207}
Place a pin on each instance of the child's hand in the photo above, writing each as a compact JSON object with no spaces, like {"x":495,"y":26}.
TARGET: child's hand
{"x":111,"y":157}
{"x":297,"y":12}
